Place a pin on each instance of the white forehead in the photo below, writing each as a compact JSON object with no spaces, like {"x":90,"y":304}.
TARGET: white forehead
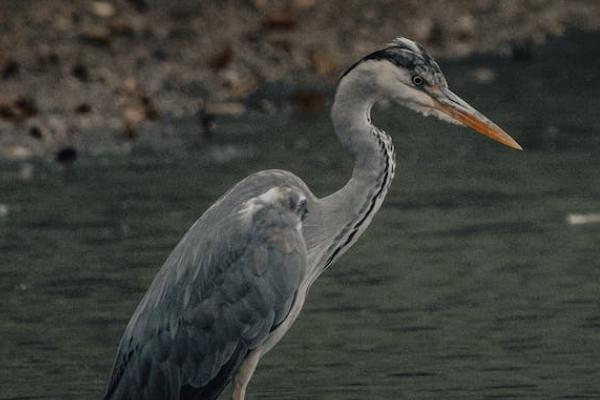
{"x":406,"y":43}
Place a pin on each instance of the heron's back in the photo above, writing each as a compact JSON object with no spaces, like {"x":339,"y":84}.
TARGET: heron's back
{"x":224,"y":288}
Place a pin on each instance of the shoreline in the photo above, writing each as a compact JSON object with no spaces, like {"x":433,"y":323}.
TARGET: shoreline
{"x":100,"y":77}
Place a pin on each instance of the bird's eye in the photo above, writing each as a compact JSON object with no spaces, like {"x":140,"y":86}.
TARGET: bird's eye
{"x":417,"y":80}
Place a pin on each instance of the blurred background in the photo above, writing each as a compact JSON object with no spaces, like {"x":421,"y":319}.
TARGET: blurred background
{"x":122,"y":121}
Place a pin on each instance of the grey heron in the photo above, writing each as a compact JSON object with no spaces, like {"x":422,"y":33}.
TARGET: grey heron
{"x":239,"y":277}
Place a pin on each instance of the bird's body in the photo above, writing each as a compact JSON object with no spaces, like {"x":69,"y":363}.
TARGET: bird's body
{"x":238,"y":279}
{"x":207,"y":311}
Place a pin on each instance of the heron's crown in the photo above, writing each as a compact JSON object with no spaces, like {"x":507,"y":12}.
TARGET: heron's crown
{"x":403,"y":53}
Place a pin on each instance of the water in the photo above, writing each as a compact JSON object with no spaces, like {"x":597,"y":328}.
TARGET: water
{"x":468,"y":285}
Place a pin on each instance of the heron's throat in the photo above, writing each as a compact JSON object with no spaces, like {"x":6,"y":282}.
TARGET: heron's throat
{"x":351,"y":115}
{"x":351,"y":209}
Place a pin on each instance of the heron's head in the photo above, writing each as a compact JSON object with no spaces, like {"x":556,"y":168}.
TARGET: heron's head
{"x":404,"y":72}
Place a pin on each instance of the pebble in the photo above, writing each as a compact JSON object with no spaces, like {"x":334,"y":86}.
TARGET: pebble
{"x":484,"y":75}
{"x":580,"y":219}
{"x":231,"y":108}
{"x":3,"y":210}
{"x":323,"y":62}
{"x":96,"y":34}
{"x":134,"y":115}
{"x":22,"y":287}
{"x":103,"y":9}
{"x":16,"y":152}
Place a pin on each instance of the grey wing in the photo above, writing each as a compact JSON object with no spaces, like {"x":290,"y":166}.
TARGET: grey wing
{"x":225,"y":287}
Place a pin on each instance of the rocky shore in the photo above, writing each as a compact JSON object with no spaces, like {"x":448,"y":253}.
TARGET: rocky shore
{"x":97,"y":76}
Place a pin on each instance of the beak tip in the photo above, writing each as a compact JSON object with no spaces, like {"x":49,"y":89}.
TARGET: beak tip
{"x":514,"y":145}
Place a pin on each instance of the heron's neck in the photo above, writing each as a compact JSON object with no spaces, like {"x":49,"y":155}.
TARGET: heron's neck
{"x":351,"y":115}
{"x":350,"y":210}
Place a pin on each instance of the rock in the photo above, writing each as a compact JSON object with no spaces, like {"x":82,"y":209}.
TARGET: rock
{"x":96,"y":34}
{"x":465,"y":27}
{"x":18,"y":110}
{"x":308,"y":101}
{"x":122,"y":27}
{"x":26,"y":106}
{"x":238,"y":84}
{"x":7,"y":112}
{"x":16,"y":153}
{"x":279,"y":20}
{"x":35,"y":132}
{"x":103,"y":9}
{"x":83,"y":108}
{"x":150,"y":111}
{"x":10,"y":70}
{"x":323,"y":62}
{"x":222,"y":59}
{"x":80,"y":72}
{"x":261,"y":4}
{"x":579,"y":219}
{"x":231,"y":108}
{"x":130,"y":86}
{"x":46,"y":61}
{"x":140,"y":5}
{"x":3,"y":210}
{"x":21,"y":287}
{"x":301,"y":4}
{"x":134,"y":115}
{"x":66,"y":156}
{"x":484,"y":75}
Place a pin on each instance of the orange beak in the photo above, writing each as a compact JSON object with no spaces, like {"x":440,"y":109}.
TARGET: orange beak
{"x":461,"y":112}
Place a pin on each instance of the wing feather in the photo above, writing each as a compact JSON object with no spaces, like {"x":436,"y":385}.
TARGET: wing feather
{"x":224,"y":288}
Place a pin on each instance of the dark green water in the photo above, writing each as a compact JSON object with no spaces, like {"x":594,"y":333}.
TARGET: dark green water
{"x":469,"y":284}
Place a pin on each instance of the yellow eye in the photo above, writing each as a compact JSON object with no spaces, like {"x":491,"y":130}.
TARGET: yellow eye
{"x":417,"y":80}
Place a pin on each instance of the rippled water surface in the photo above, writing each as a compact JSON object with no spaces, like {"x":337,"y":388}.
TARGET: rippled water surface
{"x":469,"y":284}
